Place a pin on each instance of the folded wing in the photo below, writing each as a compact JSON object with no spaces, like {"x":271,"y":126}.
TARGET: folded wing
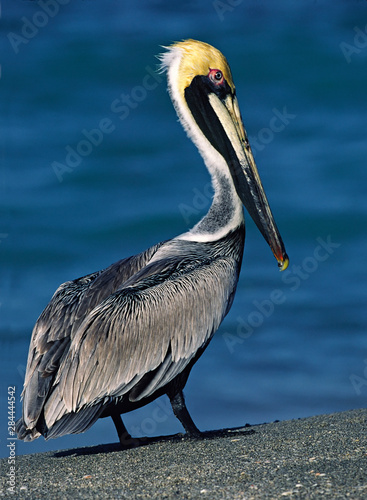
{"x":154,"y":325}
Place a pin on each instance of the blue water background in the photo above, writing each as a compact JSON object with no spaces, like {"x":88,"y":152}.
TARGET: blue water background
{"x":293,"y":344}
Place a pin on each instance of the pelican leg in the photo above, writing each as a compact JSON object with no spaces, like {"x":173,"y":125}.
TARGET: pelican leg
{"x":125,"y":438}
{"x":181,"y":412}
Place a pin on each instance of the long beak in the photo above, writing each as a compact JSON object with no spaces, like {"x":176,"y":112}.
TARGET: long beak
{"x":246,"y":178}
{"x":218,"y":116}
{"x":231,"y":141}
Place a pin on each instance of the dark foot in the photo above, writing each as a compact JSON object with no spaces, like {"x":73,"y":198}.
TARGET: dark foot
{"x":181,"y":412}
{"x":126,"y":440}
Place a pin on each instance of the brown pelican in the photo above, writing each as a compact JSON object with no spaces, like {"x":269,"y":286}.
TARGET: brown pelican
{"x":117,"y":339}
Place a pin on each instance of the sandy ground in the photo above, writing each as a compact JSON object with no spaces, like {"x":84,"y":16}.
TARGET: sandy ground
{"x":317,"y":457}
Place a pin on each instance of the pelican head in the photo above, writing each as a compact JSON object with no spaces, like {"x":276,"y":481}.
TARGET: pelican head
{"x":204,"y":96}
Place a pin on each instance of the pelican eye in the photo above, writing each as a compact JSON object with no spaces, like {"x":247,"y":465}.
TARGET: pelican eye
{"x":216,"y":76}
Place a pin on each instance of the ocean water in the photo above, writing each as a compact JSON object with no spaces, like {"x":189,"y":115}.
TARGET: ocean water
{"x":295,"y":343}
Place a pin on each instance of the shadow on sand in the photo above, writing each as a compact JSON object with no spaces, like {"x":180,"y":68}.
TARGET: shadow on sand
{"x":146,"y":441}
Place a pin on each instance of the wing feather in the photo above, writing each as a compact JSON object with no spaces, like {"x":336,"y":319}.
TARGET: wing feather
{"x":60,"y":320}
{"x":154,"y":325}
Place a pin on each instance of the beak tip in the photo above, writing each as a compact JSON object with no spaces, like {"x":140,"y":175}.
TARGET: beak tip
{"x":283,"y":262}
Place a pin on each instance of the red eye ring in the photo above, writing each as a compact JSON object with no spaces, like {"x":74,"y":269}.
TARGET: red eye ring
{"x":216,"y":76}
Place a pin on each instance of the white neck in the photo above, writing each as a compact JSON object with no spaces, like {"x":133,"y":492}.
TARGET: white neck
{"x":226,"y":212}
{"x":224,"y":215}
